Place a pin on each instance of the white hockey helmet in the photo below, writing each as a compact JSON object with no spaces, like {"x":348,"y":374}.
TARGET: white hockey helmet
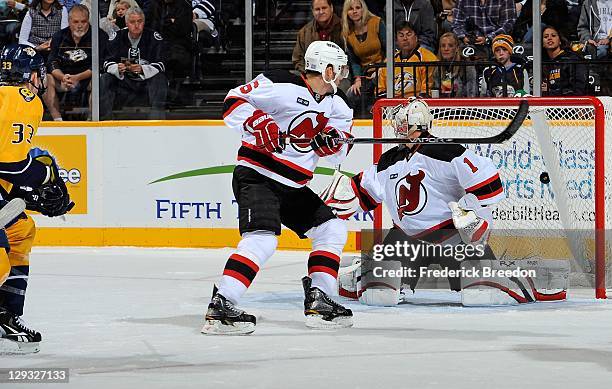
{"x":411,"y":117}
{"x":321,"y":54}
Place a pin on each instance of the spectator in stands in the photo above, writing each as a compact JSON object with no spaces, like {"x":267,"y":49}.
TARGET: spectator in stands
{"x":365,"y":37}
{"x":41,"y":22}
{"x":204,"y":18}
{"x":325,"y":26}
{"x":134,"y":68}
{"x":561,"y":75}
{"x":115,"y":19}
{"x":69,"y":3}
{"x":10,"y":16}
{"x":45,"y":18}
{"x":509,"y":74}
{"x":420,"y":14}
{"x":477,"y":22}
{"x":69,"y":64}
{"x":443,"y":9}
{"x":453,"y":80}
{"x":553,"y":13}
{"x":176,"y":20}
{"x":409,"y":80}
{"x":595,"y":25}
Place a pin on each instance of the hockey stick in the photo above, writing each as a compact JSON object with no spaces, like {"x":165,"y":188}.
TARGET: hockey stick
{"x":507,"y":133}
{"x":11,"y":210}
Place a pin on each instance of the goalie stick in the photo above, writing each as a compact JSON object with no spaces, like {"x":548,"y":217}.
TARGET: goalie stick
{"x":11,"y":210}
{"x":507,"y":133}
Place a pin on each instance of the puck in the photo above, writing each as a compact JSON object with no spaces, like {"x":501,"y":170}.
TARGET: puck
{"x":544,"y":178}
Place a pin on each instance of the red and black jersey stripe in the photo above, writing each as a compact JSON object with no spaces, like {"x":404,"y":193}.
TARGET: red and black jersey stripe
{"x":230,"y":104}
{"x":266,"y":160}
{"x":366,"y":201}
{"x":241,"y":268}
{"x":323,"y":261}
{"x":488,"y":188}
{"x":438,"y":233}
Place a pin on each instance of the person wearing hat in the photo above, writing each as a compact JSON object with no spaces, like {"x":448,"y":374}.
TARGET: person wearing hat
{"x":408,"y":80}
{"x":508,"y":75}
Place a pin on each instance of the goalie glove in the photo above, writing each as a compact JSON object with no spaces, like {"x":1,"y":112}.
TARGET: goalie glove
{"x":51,"y":198}
{"x":340,"y":197}
{"x":469,"y":219}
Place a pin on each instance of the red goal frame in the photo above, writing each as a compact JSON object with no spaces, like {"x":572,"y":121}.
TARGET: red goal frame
{"x":600,"y":124}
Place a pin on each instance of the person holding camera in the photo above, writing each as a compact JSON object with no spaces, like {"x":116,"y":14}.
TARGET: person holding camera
{"x":477,"y":22}
{"x":134,"y":67}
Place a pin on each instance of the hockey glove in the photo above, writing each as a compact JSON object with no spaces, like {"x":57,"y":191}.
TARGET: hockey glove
{"x":51,"y":198}
{"x":266,"y":132}
{"x":340,"y":196}
{"x":326,"y":142}
{"x":468,"y":218}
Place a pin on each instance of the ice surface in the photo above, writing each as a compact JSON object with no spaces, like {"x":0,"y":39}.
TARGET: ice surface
{"x":131,"y":318}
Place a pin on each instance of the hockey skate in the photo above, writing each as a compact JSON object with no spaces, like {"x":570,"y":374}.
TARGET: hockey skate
{"x":223,"y":318}
{"x":15,"y":337}
{"x":321,"y":311}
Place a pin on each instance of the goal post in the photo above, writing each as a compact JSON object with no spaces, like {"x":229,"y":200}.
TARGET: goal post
{"x":553,"y":169}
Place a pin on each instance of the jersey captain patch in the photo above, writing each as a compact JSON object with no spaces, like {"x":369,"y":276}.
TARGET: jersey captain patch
{"x":411,"y":194}
{"x":27,"y":94}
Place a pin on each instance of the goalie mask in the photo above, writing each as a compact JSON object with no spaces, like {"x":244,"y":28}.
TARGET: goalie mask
{"x":321,"y":54}
{"x":410,"y":118}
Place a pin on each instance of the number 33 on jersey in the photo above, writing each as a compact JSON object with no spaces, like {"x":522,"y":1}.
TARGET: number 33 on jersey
{"x":20,"y":114}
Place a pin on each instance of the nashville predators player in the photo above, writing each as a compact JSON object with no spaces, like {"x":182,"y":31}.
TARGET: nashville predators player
{"x":27,"y":173}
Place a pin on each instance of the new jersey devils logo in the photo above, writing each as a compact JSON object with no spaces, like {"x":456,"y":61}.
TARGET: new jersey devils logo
{"x":411,"y":194}
{"x":306,"y":125}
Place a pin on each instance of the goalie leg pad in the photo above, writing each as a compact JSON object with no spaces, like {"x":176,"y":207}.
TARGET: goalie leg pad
{"x":531,"y":281}
{"x":348,"y":276}
{"x":380,"y":283}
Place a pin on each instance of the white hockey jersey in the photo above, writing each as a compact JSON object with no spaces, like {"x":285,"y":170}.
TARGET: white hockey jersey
{"x":416,"y":186}
{"x":298,"y":111}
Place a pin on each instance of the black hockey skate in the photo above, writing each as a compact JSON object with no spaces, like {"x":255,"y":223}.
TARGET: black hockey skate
{"x":321,"y":311}
{"x":16,"y":338}
{"x":223,"y":318}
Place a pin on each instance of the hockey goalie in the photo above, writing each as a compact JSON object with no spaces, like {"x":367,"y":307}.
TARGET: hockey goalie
{"x":440,"y":198}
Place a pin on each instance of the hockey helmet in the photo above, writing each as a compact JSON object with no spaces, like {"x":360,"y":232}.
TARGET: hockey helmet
{"x":321,"y":54}
{"x":411,"y":117}
{"x":18,"y":63}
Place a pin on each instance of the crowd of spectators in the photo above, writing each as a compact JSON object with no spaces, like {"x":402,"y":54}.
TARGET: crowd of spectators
{"x":445,"y":48}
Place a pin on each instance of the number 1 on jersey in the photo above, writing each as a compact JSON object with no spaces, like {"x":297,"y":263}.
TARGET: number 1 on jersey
{"x":470,"y":164}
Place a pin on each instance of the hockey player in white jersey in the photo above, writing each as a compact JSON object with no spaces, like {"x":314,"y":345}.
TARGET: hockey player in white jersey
{"x":435,"y":193}
{"x":269,"y":184}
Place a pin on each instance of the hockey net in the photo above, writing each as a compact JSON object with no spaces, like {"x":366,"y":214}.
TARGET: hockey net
{"x":553,"y":170}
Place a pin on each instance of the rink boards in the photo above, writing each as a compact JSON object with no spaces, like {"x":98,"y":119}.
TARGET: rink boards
{"x":168,"y":183}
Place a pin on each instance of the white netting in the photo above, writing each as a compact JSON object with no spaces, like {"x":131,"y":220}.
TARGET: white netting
{"x":541,"y":223}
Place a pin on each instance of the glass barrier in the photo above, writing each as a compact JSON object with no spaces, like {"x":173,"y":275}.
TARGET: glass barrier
{"x":188,"y":54}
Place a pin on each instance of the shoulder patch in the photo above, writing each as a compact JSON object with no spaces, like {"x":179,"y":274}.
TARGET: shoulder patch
{"x":112,"y":35}
{"x":442,"y":152}
{"x":284,"y":77}
{"x":391,"y":157}
{"x":27,"y":94}
{"x":157,"y":36}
